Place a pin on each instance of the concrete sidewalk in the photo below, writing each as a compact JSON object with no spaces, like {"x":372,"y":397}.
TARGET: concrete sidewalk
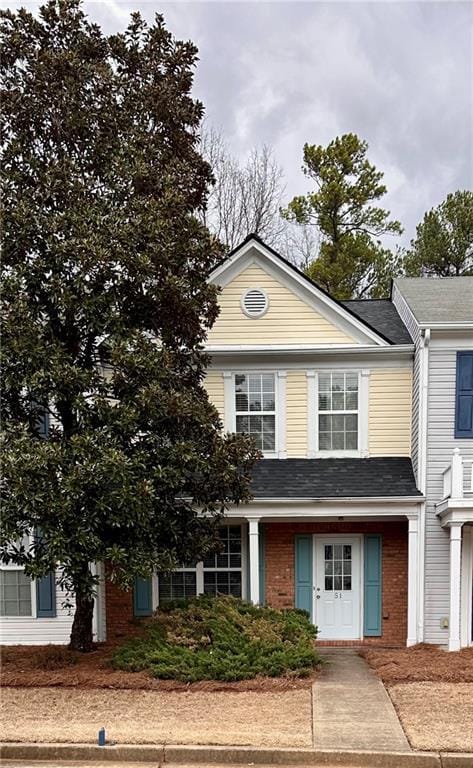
{"x":351,"y":707}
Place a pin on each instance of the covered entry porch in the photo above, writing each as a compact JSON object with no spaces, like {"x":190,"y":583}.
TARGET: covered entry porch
{"x":352,"y":565}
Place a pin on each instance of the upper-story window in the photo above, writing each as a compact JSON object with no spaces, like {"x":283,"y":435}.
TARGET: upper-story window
{"x":464,"y":396}
{"x":255,"y":408}
{"x":338,"y":411}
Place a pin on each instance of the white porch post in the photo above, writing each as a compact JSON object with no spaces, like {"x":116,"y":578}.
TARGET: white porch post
{"x":412,"y":568}
{"x":254,"y":559}
{"x":455,"y":578}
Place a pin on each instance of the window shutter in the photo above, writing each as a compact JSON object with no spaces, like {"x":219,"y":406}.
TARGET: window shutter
{"x":261,"y":545}
{"x":303,"y":558}
{"x":46,"y":596}
{"x":373,"y":587}
{"x":143,"y":597}
{"x":464,"y":395}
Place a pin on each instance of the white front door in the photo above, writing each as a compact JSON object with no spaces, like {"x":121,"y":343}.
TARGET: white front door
{"x":337,"y":587}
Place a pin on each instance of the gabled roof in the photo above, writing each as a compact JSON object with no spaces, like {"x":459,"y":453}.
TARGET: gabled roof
{"x":382,"y":315}
{"x":344,"y":310}
{"x":438,"y":300}
{"x":333,"y":478}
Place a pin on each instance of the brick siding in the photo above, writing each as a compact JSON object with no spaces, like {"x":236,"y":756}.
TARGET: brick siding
{"x":279,"y":571}
{"x":120,"y":622}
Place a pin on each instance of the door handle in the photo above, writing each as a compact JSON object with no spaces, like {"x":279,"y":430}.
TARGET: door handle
{"x":318,"y":597}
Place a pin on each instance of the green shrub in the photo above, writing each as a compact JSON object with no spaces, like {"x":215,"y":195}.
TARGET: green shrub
{"x":221,"y":639}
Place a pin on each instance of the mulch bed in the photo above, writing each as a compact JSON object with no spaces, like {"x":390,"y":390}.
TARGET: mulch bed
{"x":55,"y":666}
{"x":421,"y":663}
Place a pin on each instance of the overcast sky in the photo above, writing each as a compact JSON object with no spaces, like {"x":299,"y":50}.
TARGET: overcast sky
{"x":399,"y":74}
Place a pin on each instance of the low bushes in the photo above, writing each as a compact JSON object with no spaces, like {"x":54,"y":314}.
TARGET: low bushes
{"x":221,"y":639}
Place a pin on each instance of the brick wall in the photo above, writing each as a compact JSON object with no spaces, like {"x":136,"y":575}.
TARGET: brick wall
{"x":279,"y":570}
{"x":119,"y":612}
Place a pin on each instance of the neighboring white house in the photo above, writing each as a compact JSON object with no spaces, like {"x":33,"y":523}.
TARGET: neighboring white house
{"x":439,"y":315}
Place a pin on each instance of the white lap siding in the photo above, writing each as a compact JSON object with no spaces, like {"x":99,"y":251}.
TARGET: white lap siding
{"x":440,"y":444}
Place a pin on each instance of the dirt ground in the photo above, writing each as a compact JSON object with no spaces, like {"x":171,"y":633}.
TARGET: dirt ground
{"x":140,"y":717}
{"x":421,"y":663}
{"x":436,"y":716}
{"x":55,"y":666}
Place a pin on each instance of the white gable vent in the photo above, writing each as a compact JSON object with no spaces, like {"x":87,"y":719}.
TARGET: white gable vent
{"x":254,"y":302}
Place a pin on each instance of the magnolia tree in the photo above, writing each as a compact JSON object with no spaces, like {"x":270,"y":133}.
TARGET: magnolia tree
{"x":106,"y":307}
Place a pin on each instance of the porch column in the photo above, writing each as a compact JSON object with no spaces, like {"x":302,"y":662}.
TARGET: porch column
{"x":455,"y":578}
{"x":254,"y":559}
{"x":412,"y":569}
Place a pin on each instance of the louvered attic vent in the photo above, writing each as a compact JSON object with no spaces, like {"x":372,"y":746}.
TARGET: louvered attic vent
{"x":254,"y":302}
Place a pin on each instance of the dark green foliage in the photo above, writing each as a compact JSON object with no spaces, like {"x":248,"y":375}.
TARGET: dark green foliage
{"x":351,"y":262}
{"x":443,"y":246}
{"x":106,"y":305}
{"x":222,"y":639}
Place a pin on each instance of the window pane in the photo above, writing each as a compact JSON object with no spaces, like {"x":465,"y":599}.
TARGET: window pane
{"x":325,"y":441}
{"x":347,"y":552}
{"x":325,"y":401}
{"x":351,"y":422}
{"x":338,"y":382}
{"x":337,"y":567}
{"x":337,"y":582}
{"x":352,"y":382}
{"x":325,"y":423}
{"x":338,"y":551}
{"x":329,"y":583}
{"x":347,"y":582}
{"x":177,"y":586}
{"x":338,"y":441}
{"x":242,"y":424}
{"x":338,"y":401}
{"x":15,"y":593}
{"x":255,"y":401}
{"x":352,"y":401}
{"x":268,"y":382}
{"x":241,"y":401}
{"x":324,"y":382}
{"x":351,"y":441}
{"x":338,"y":422}
{"x":328,"y":552}
{"x":268,"y":401}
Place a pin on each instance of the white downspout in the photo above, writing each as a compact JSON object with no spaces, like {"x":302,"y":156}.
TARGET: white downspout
{"x":422,"y":471}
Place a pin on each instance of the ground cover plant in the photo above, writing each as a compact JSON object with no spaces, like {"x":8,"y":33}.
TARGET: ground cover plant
{"x":221,"y":639}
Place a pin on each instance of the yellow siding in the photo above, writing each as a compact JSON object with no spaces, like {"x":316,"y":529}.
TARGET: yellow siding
{"x":390,"y":402}
{"x":288,"y":319}
{"x":213,"y":383}
{"x":296,"y":414}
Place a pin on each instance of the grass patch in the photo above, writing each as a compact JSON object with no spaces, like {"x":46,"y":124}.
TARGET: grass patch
{"x":221,"y":639}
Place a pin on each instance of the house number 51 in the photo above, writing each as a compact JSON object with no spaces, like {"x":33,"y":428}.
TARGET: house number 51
{"x":338,"y":595}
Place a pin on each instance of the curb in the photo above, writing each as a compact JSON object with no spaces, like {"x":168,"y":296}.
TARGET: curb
{"x":175,"y":754}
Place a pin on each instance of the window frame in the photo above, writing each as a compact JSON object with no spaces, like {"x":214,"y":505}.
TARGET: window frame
{"x":313,"y":450}
{"x":199,"y":569}
{"x":277,"y":406}
{"x":460,"y":434}
{"x":14,"y":567}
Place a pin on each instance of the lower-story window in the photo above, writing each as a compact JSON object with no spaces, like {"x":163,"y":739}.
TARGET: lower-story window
{"x":219,"y":574}
{"x":15,"y":593}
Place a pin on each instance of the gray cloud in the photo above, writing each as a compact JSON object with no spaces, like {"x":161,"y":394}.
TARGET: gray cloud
{"x":397,"y":74}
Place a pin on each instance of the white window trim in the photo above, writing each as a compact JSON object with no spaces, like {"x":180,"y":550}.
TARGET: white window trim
{"x":280,"y":407}
{"x":313,"y":450}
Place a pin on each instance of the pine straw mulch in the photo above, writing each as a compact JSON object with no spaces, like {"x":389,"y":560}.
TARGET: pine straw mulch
{"x":420,"y":663}
{"x":48,"y":666}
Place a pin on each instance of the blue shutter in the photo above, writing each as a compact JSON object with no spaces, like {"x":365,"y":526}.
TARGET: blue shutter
{"x":464,"y":395}
{"x":46,"y":597}
{"x":143,"y":597}
{"x":303,"y":569}
{"x":261,"y":544}
{"x":373,"y":587}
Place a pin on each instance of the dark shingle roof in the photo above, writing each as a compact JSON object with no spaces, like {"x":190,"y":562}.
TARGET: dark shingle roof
{"x":383,"y":316}
{"x":333,"y":478}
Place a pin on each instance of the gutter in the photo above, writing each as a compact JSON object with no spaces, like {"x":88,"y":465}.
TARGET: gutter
{"x":268,"y":350}
{"x":293,"y":501}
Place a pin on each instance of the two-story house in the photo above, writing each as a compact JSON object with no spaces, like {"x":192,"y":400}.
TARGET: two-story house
{"x":325,"y":389}
{"x":336,"y":523}
{"x":439,"y":316}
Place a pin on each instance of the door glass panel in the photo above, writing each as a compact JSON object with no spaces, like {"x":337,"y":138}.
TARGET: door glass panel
{"x":337,"y":567}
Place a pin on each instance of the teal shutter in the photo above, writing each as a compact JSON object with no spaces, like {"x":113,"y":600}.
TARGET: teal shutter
{"x":303,"y":569}
{"x":464,"y":395}
{"x":373,"y":587}
{"x":261,"y":544}
{"x":46,"y":597}
{"x":143,"y":597}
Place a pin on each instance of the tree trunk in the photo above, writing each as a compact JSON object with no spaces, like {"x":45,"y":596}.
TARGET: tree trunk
{"x":81,"y":632}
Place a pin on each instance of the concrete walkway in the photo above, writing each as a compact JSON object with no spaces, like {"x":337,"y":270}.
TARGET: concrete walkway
{"x":351,"y":707}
